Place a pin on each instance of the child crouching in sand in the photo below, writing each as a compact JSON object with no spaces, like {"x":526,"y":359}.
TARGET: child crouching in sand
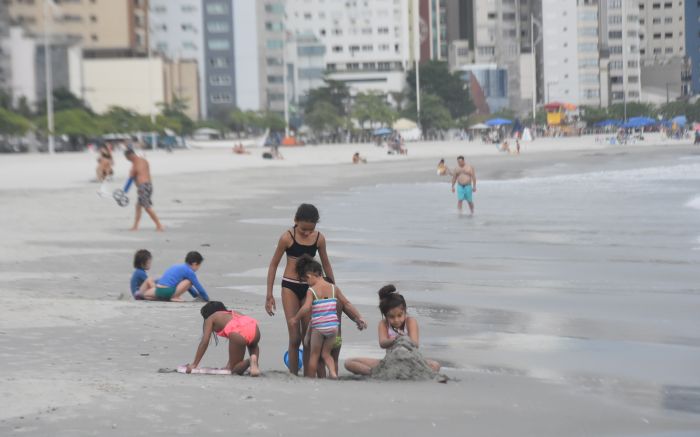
{"x":140,"y":282}
{"x":322,"y":301}
{"x":242,"y":332}
{"x":395,"y":323}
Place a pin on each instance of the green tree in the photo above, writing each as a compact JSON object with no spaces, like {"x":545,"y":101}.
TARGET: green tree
{"x":435,"y":79}
{"x":334,"y":92}
{"x":177,"y":120}
{"x":122,"y":120}
{"x":12,"y":124}
{"x":434,"y":116}
{"x":373,"y":108}
{"x":593,"y":114}
{"x":62,"y":100}
{"x":324,"y":117}
{"x":273,"y":121}
{"x":238,"y":121}
{"x":634,"y":109}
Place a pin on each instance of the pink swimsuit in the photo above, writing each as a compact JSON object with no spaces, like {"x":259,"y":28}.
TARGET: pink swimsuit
{"x":242,"y":325}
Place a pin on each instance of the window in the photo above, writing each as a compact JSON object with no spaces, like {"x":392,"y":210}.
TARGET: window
{"x":615,"y":79}
{"x":668,"y":20}
{"x":93,"y":18}
{"x":632,"y":79}
{"x":160,"y":9}
{"x":353,"y":66}
{"x":588,"y":78}
{"x":615,"y":34}
{"x":657,"y":36}
{"x":384,"y":66}
{"x":189,"y":45}
{"x":337,"y":49}
{"x":633,"y":93}
{"x":383,"y":30}
{"x":275,"y":44}
{"x":272,"y":62}
{"x":275,"y":97}
{"x":656,"y":20}
{"x":589,"y":47}
{"x":218,"y":62}
{"x":188,"y":9}
{"x":317,"y":50}
{"x":274,"y":8}
{"x":632,"y":33}
{"x":615,"y":4}
{"x":616,"y":49}
{"x":384,"y":47}
{"x":588,"y":31}
{"x":331,"y":67}
{"x":216,"y":27}
{"x":216,"y":9}
{"x":162,"y":46}
{"x":668,"y":50}
{"x":615,"y":65}
{"x":668,"y":5}
{"x":366,"y":30}
{"x":615,"y":19}
{"x":657,"y":50}
{"x":187,"y":26}
{"x":369,"y":66}
{"x":486,"y":50}
{"x":218,"y":44}
{"x":632,"y":64}
{"x":221,"y":98}
{"x":70,"y":18}
{"x":275,"y":79}
{"x":354,"y":49}
{"x":633,"y":18}
{"x":367,"y":48}
{"x":492,"y":16}
{"x":509,"y":16}
{"x":337,"y":31}
{"x":274,"y":26}
{"x":617,"y":95}
{"x":656,"y":6}
{"x":668,"y":35}
{"x":220,"y":80}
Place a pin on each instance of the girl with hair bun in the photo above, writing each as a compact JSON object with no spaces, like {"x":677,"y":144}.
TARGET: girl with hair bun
{"x":395,"y":323}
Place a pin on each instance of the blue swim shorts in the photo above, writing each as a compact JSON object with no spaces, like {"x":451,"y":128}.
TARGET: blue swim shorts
{"x":464,"y":192}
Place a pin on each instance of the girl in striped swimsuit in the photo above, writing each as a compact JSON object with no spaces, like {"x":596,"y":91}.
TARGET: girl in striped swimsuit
{"x":323,"y":301}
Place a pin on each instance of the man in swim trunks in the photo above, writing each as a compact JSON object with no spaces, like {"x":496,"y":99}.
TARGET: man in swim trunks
{"x":141,"y":173}
{"x":465,"y":178}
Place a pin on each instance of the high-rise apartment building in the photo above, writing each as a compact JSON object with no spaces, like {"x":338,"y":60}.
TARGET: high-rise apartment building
{"x":219,"y":57}
{"x":619,"y":42}
{"x":662,"y":25}
{"x":692,"y":42}
{"x":364,"y":43}
{"x":111,"y":27}
{"x":5,"y":62}
{"x":560,"y":50}
{"x":588,"y":54}
{"x":271,"y":38}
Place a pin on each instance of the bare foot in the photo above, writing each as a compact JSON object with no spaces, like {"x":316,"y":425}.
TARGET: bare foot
{"x":254,"y":369}
{"x":333,"y":375}
{"x":134,"y":228}
{"x":160,"y":229}
{"x":176,"y":299}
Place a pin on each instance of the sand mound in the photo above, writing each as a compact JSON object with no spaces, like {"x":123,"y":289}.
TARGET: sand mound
{"x":403,"y":362}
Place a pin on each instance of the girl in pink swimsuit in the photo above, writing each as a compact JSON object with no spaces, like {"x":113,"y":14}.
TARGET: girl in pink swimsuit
{"x":395,"y":323}
{"x":242,"y":332}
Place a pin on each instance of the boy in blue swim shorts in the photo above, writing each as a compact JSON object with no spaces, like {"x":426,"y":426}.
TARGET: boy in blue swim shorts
{"x":465,"y":178}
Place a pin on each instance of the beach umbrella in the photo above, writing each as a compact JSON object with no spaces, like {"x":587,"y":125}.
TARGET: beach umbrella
{"x":404,"y":124}
{"x":637,"y":122}
{"x":497,"y":122}
{"x":479,"y":126}
{"x":680,"y":120}
{"x":608,"y":122}
{"x":382,"y":131}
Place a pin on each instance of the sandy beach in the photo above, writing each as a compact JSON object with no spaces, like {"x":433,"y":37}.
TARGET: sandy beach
{"x":566,"y":307}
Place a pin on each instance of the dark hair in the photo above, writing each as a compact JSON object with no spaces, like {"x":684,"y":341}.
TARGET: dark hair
{"x":194,"y":258}
{"x":389,"y":299}
{"x":460,"y":157}
{"x":141,"y":257}
{"x":129,"y":152}
{"x":306,"y":213}
{"x":306,"y":264}
{"x":207,"y":310}
{"x":211,"y":307}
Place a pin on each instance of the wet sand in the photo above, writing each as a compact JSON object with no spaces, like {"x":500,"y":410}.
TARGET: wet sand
{"x":80,"y":361}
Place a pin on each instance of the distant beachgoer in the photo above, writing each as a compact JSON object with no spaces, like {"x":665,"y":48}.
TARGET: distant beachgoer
{"x":356,"y":158}
{"x":140,"y":282}
{"x":465,"y":178}
{"x":505,"y":147}
{"x":395,"y":323}
{"x":240,"y":150}
{"x":302,"y":239}
{"x":242,"y":333}
{"x":141,"y":174}
{"x":178,"y":279}
{"x":442,"y":169}
{"x":105,"y":162}
{"x":517,"y":145}
{"x":322,"y":302}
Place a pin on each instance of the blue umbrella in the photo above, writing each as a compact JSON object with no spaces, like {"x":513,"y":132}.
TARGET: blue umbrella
{"x":382,"y":131}
{"x":498,"y":122}
{"x":680,"y":120}
{"x":609,"y":122}
{"x":637,"y":122}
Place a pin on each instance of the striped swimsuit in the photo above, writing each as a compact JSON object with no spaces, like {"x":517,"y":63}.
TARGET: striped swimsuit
{"x":324,"y":314}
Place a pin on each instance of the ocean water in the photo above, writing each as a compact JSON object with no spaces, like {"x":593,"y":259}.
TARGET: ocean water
{"x":588,"y":279}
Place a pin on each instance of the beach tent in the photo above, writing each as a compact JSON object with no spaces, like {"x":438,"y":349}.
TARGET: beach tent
{"x":382,"y":131}
{"x":608,"y":122}
{"x":404,"y":124}
{"x":497,"y":122}
{"x":479,"y":126}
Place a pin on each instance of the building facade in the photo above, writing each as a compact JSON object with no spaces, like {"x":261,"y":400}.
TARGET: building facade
{"x":271,"y":37}
{"x":619,"y":44}
{"x":5,"y":60}
{"x":692,"y":42}
{"x":561,"y":48}
{"x":588,"y":53}
{"x":115,"y":26}
{"x":366,"y":43}
{"x":219,"y":57}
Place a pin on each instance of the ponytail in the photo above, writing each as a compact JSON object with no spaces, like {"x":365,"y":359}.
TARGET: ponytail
{"x":390,"y":298}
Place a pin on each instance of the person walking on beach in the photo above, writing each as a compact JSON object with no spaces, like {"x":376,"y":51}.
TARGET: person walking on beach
{"x":302,"y":239}
{"x":465,"y":178}
{"x":141,"y":174}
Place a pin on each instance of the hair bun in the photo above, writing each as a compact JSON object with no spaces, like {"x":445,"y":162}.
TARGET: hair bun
{"x":386,"y":291}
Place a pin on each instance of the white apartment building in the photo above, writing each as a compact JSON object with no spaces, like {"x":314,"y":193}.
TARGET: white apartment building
{"x":589,"y":77}
{"x":619,"y":37}
{"x":5,"y":61}
{"x":366,"y":43}
{"x":560,"y":53}
{"x":270,"y":43}
{"x":662,"y":29}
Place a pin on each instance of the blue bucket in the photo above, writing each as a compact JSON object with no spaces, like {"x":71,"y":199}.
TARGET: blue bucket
{"x":301,"y":358}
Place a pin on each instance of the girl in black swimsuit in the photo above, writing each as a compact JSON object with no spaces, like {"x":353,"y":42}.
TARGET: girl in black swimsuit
{"x":302,"y":239}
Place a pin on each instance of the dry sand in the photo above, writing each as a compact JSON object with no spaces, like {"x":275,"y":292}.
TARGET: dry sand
{"x":77,"y":360}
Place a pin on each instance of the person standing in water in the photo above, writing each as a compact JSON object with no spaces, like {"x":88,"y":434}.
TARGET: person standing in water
{"x":302,"y":239}
{"x":141,"y":174}
{"x":465,"y":176}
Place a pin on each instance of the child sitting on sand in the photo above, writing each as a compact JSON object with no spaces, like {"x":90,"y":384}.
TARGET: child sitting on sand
{"x":140,"y":282}
{"x":178,"y":279}
{"x":242,"y":332}
{"x":395,"y":323}
{"x":322,"y":300}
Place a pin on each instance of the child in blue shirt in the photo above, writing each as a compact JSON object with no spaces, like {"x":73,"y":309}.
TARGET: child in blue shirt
{"x":140,"y":282}
{"x":178,"y":279}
